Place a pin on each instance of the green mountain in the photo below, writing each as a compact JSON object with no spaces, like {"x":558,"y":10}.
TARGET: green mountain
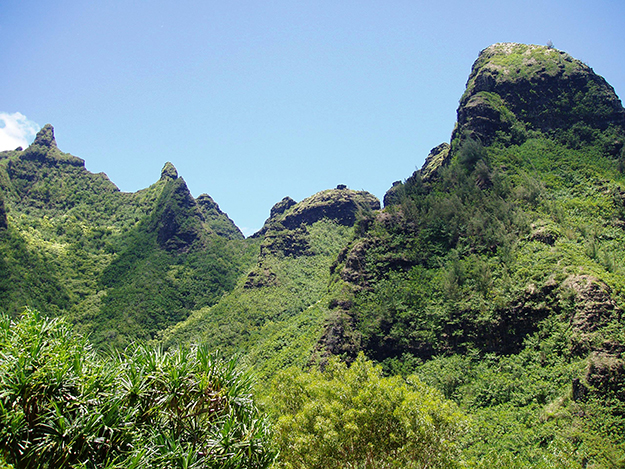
{"x":275,"y":314}
{"x":495,"y":272}
{"x":122,"y":266}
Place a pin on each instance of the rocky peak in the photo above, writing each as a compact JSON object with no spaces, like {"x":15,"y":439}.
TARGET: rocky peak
{"x":515,"y":88}
{"x":286,"y":229}
{"x":434,"y":160}
{"x":44,"y":150}
{"x":277,"y":210}
{"x":176,"y":219}
{"x":207,"y":203}
{"x":281,"y":207}
{"x":169,"y":172}
{"x":45,"y":137}
{"x":340,"y":205}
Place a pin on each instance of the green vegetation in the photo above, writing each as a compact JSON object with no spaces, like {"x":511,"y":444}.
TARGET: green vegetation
{"x":517,"y":62}
{"x":64,"y":406}
{"x":354,"y":417}
{"x":121,"y":266}
{"x":274,"y":314}
{"x":498,"y":280}
{"x":489,"y":295}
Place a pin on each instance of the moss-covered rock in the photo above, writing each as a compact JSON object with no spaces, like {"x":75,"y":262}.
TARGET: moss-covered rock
{"x":169,"y":172}
{"x":275,"y":212}
{"x":514,"y":88}
{"x":340,"y":205}
{"x":44,"y":149}
{"x":435,"y":159}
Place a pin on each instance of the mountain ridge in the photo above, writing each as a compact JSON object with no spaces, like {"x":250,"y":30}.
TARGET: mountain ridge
{"x":494,"y":273}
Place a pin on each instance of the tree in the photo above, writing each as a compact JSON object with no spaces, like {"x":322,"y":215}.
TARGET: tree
{"x":354,"y":417}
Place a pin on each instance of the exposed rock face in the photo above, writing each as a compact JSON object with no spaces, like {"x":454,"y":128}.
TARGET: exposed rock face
{"x":275,"y":212}
{"x":260,"y":277}
{"x":281,"y":207}
{"x":606,"y":374}
{"x":434,"y":160}
{"x":339,"y":205}
{"x":355,"y":263}
{"x":516,"y":87}
{"x":594,"y":303}
{"x":285,"y":232}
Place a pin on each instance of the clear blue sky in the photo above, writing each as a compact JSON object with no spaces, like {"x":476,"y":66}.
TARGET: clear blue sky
{"x":256,"y":100}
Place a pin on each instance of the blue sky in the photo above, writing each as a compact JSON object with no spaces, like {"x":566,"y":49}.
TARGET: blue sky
{"x":256,"y":100}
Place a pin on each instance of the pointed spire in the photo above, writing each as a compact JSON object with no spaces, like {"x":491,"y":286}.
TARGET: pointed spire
{"x":45,"y":137}
{"x":169,"y":173}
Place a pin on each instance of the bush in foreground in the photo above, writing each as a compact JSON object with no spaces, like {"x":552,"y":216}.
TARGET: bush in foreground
{"x":64,"y":406}
{"x":353,"y":417}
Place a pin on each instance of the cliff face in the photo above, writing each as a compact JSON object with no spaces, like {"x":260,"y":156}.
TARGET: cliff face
{"x":519,"y":91}
{"x":285,"y":230}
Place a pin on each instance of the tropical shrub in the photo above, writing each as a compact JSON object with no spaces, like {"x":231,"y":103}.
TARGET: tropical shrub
{"x":63,"y":406}
{"x":354,"y":417}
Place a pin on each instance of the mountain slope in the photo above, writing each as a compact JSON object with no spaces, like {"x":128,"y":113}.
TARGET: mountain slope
{"x":274,"y":315}
{"x":121,"y":265}
{"x":496,"y":271}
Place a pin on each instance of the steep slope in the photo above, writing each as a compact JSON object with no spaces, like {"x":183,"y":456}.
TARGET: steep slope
{"x":122,"y":265}
{"x":274,"y":315}
{"x":496,"y":271}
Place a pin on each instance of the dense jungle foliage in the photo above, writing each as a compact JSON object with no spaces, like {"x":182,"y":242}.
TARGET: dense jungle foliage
{"x":476,"y":321}
{"x":122,"y":266}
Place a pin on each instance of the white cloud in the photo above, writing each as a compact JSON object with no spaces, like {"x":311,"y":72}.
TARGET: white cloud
{"x":16,"y":131}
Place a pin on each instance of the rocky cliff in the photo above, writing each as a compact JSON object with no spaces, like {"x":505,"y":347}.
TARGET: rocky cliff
{"x":285,"y":230}
{"x":517,"y":91}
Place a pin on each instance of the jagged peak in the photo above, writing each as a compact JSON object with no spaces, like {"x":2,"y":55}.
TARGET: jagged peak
{"x":281,"y":207}
{"x":434,"y":160}
{"x":207,"y":202}
{"x":45,"y":137}
{"x":45,"y":150}
{"x":216,"y":220}
{"x":169,"y":172}
{"x":278,"y":209}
